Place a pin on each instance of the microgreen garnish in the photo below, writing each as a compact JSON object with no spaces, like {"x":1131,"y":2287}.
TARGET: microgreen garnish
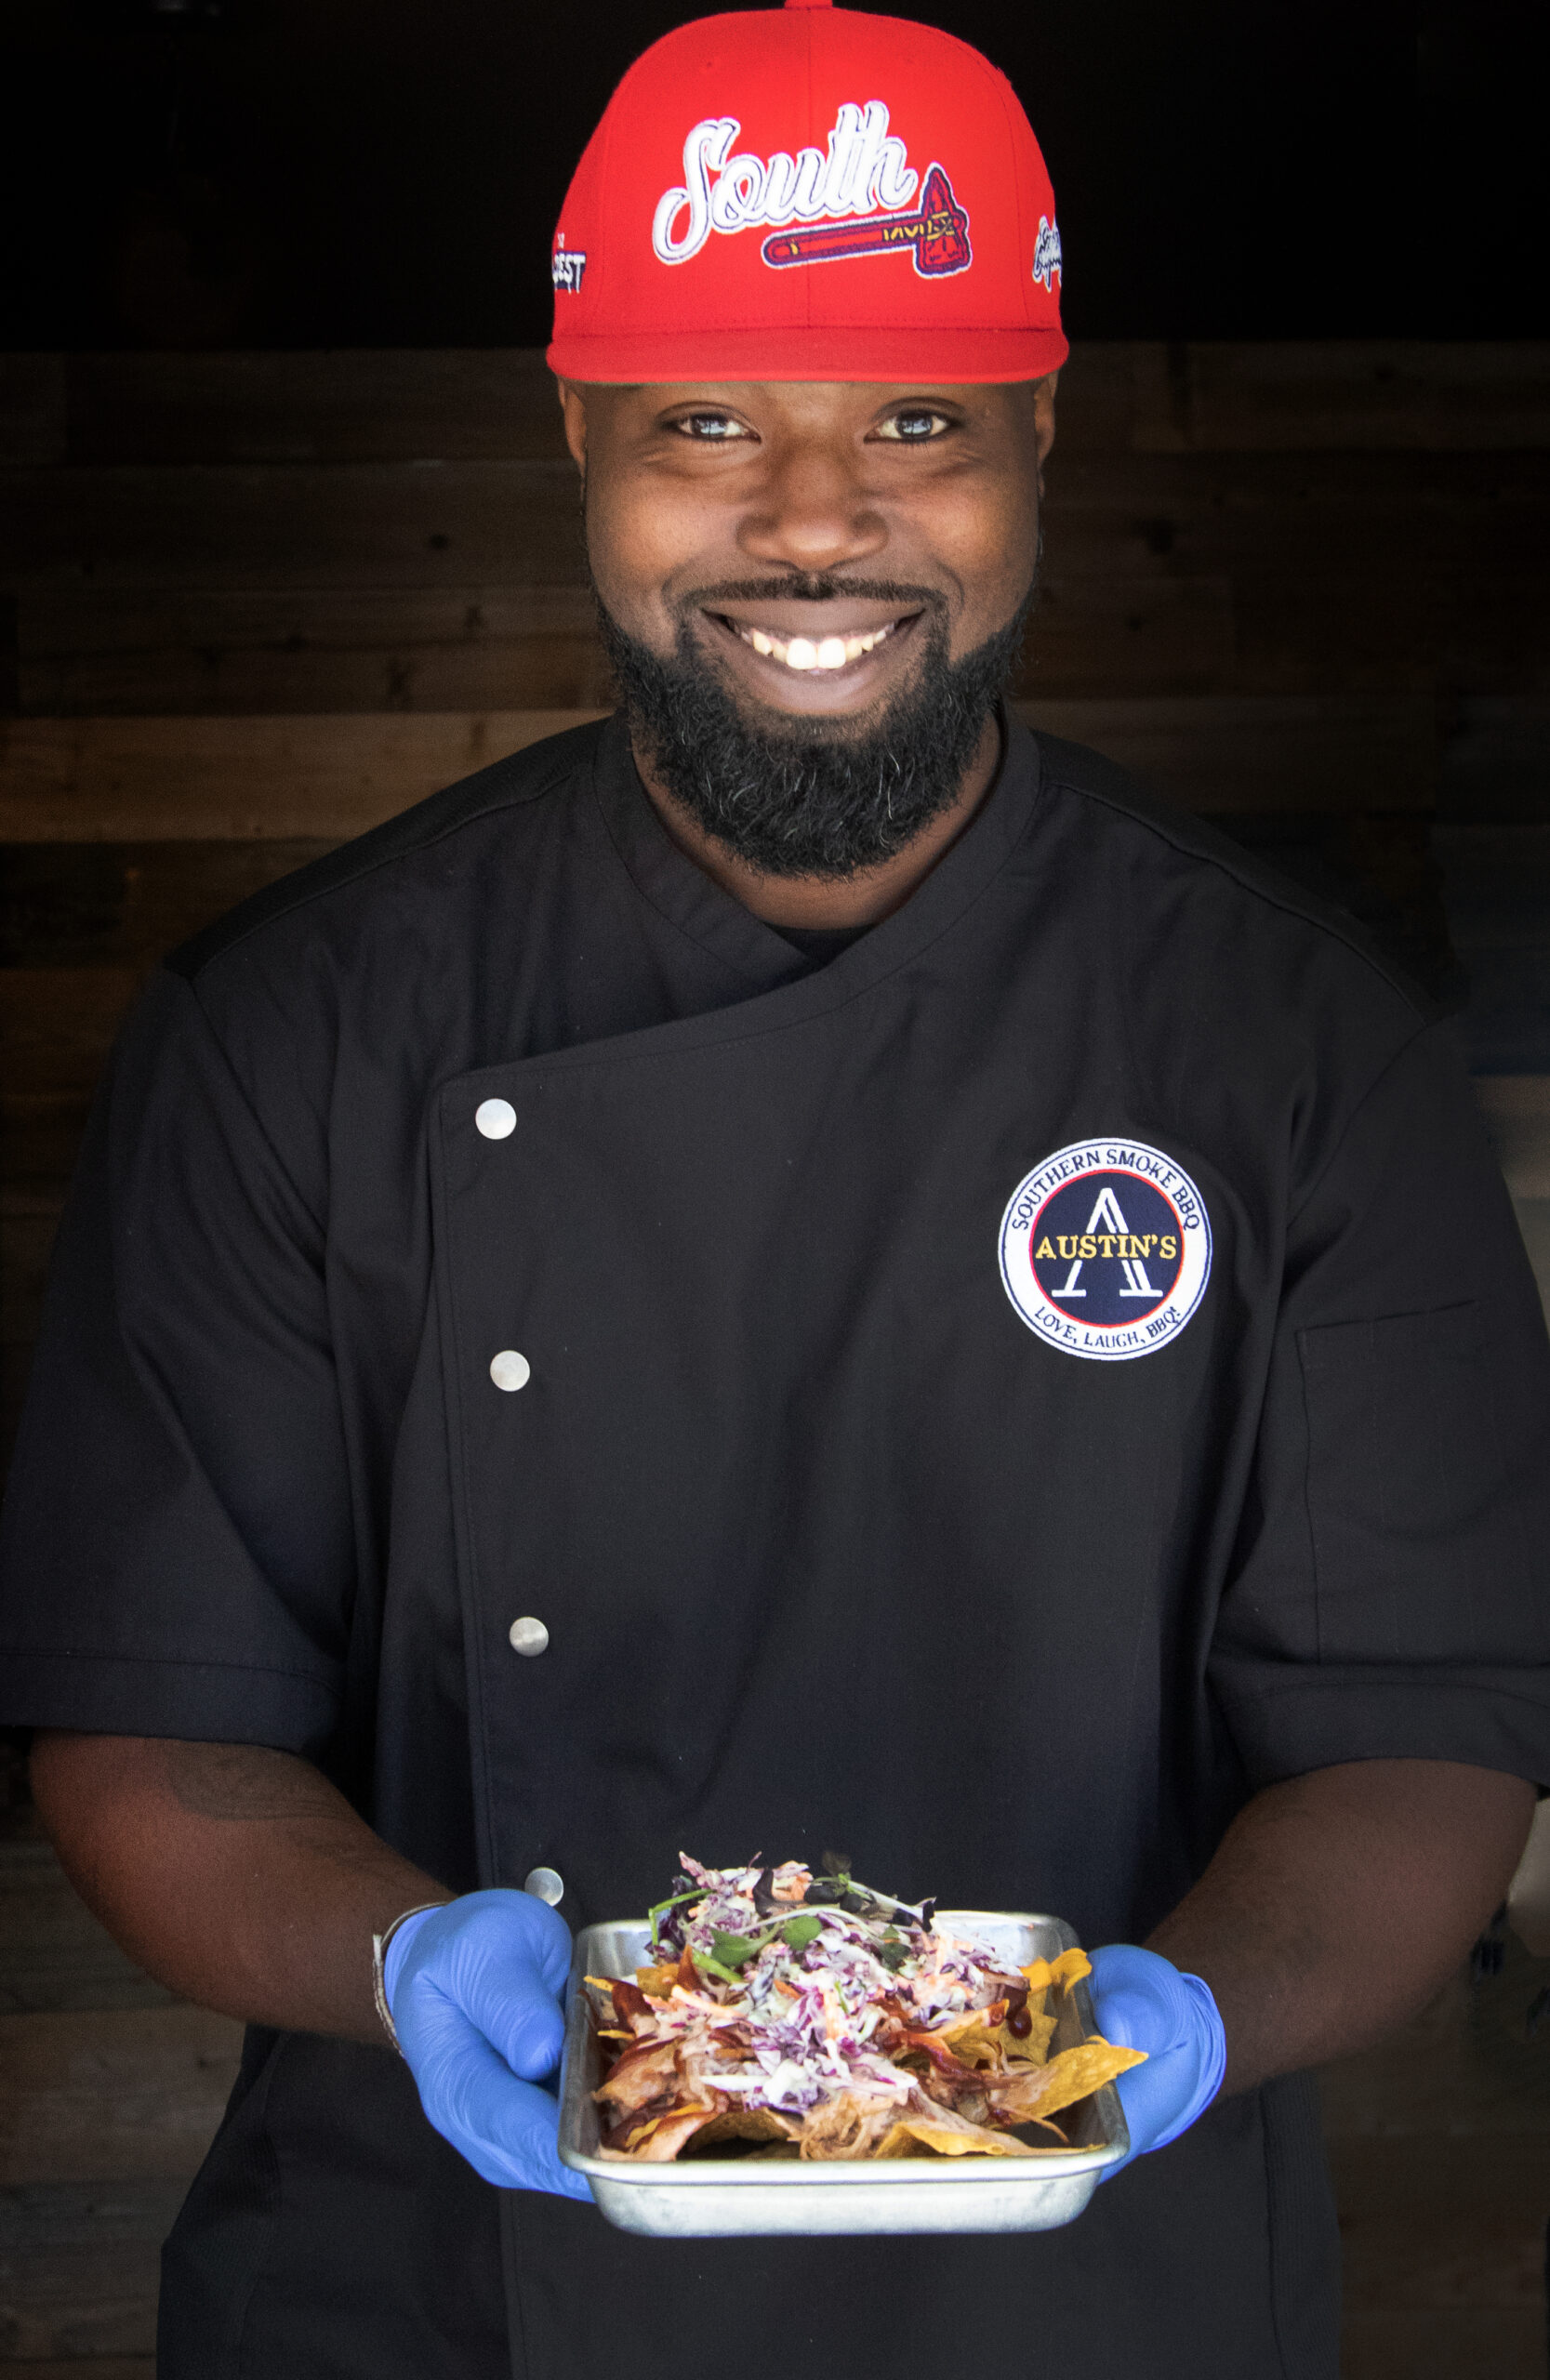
{"x":674,"y":1900}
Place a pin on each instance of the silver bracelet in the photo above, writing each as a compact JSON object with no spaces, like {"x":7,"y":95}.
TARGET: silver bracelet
{"x":378,"y":1970}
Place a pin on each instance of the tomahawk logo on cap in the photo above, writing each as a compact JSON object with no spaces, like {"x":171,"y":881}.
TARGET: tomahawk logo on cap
{"x":809,"y":193}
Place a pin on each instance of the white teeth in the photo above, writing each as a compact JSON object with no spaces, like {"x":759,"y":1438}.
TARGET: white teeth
{"x":801,"y":653}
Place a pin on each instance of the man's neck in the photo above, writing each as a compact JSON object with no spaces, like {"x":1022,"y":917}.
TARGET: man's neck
{"x":814,"y":901}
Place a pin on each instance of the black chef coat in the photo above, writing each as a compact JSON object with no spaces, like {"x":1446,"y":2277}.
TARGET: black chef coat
{"x":851,"y":1524}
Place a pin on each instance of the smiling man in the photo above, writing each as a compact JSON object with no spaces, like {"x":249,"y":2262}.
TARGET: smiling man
{"x":801,"y":1265}
{"x":813,"y":595}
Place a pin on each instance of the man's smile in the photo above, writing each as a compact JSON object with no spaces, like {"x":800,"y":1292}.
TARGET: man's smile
{"x":818,"y":642}
{"x":800,"y":653}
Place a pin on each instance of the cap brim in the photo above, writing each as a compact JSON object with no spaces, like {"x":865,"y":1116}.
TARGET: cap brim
{"x":823,"y":354}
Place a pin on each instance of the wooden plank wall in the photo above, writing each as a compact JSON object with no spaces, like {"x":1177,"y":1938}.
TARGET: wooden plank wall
{"x":253,"y":603}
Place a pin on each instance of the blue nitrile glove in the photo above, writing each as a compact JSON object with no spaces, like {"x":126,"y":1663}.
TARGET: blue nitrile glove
{"x":474,"y":1990}
{"x":1142,"y":2002}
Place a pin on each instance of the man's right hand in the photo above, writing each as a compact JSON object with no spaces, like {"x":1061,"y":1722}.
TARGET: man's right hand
{"x":242,"y":1879}
{"x":475,"y":1993}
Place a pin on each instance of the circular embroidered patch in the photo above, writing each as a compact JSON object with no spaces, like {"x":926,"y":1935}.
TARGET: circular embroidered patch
{"x":1105,"y":1249}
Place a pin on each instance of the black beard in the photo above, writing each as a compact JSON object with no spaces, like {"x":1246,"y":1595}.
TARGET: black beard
{"x":818,"y":797}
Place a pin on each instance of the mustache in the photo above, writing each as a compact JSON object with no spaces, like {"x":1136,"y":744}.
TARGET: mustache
{"x":812,"y":586}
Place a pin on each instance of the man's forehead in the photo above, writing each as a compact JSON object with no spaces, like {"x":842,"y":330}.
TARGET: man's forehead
{"x":807,"y":395}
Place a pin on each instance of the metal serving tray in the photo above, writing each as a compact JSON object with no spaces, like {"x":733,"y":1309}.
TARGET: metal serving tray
{"x":713,"y":2197}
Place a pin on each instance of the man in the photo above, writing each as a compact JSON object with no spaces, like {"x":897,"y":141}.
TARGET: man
{"x":801,"y":1267}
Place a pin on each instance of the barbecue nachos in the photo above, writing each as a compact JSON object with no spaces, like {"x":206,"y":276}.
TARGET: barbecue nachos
{"x":792,"y":2015}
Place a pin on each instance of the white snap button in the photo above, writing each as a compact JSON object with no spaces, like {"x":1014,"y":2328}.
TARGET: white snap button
{"x":545,"y":1885}
{"x":528,"y":1636}
{"x":497,"y":1119}
{"x":510,"y":1370}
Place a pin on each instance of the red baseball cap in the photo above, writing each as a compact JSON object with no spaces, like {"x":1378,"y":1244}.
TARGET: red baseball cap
{"x":809,"y":193}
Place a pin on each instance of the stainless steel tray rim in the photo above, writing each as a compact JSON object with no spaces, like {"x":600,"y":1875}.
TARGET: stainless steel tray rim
{"x":961,"y":2173}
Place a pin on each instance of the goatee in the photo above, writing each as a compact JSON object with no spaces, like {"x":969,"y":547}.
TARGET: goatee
{"x":807,"y":797}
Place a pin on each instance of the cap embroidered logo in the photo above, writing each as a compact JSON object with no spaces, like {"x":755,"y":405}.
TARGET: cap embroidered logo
{"x":863,"y":177}
{"x":863,"y":169}
{"x":937,"y":235}
{"x":567,"y":265}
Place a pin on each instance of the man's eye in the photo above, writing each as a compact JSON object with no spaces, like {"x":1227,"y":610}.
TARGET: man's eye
{"x":716,"y":426}
{"x":916,"y":427}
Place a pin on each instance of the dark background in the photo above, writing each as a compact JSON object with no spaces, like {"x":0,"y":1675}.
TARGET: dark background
{"x":386,"y":173}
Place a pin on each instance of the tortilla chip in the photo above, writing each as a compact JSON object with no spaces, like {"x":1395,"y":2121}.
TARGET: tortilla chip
{"x":973,"y":2043}
{"x":1070,"y":2076}
{"x":943,"y":2134}
{"x":1034,"y":2046}
{"x":772,"y":2152}
{"x":746,"y":2123}
{"x":761,"y":2123}
{"x":656,"y":1983}
{"x":973,"y":2040}
{"x":658,"y":2142}
{"x":949,"y":2029}
{"x":1070,"y":1967}
{"x":1023,"y":2049}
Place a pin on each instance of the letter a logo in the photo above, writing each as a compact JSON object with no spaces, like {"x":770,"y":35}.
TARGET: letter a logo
{"x":1105,"y":1249}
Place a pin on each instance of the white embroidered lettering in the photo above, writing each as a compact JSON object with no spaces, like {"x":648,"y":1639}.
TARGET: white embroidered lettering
{"x":705,"y":153}
{"x":780,"y":186}
{"x":894,"y":185}
{"x":739,"y":197}
{"x":864,"y":169}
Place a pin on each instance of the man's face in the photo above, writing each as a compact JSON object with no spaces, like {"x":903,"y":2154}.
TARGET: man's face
{"x":814,"y":582}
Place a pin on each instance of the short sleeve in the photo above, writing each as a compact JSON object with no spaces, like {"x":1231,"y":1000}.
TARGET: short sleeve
{"x":176,"y":1555}
{"x":1391,"y":1595}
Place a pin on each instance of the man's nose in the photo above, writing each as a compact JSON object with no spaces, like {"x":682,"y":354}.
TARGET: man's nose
{"x":811,"y":514}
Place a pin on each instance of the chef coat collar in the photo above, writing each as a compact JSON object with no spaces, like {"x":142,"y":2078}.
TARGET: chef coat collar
{"x":689,"y":899}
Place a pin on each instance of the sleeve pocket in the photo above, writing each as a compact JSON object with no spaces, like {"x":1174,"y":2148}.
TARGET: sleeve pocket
{"x":1416,"y":1542}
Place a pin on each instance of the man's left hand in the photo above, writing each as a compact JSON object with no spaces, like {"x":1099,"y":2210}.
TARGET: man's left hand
{"x":1143,"y":2001}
